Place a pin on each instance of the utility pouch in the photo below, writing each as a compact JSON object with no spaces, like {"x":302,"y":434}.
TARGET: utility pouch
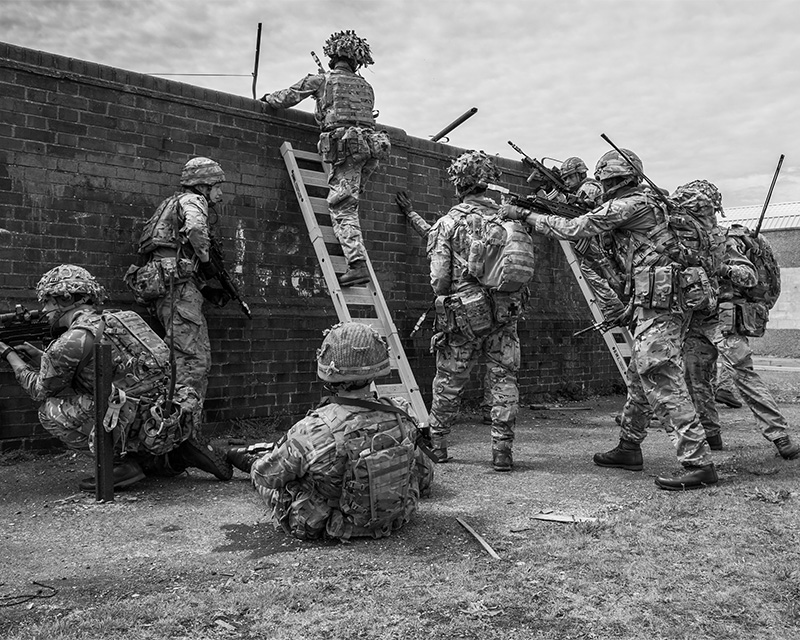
{"x":508,"y":307}
{"x":327,"y":147}
{"x":727,"y":318}
{"x":698,"y":293}
{"x":654,"y":287}
{"x":146,"y":282}
{"x":182,"y":269}
{"x":379,"y":145}
{"x":472,"y":311}
{"x":751,"y":319}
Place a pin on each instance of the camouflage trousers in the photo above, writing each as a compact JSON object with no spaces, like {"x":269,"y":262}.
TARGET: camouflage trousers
{"x":700,"y":355}
{"x":188,"y":329}
{"x":456,"y":356}
{"x":656,"y":383}
{"x":299,"y":510}
{"x":738,"y":354}
{"x":724,"y":377}
{"x":346,"y":182}
{"x":70,"y":418}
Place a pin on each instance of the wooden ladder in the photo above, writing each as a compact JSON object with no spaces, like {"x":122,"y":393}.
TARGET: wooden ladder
{"x":367,"y":301}
{"x":618,"y":339}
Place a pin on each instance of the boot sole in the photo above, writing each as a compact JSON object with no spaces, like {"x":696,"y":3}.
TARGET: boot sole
{"x":684,"y":487}
{"x":627,"y":467}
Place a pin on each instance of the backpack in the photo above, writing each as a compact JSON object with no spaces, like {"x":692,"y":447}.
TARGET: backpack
{"x":501,"y":255}
{"x":758,"y":251}
{"x":379,"y":488}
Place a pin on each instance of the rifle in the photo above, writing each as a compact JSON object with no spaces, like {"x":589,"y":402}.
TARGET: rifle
{"x":319,"y":64}
{"x":550,"y":175}
{"x":602,"y":327}
{"x":769,"y":195}
{"x":21,"y":325}
{"x":539,"y":204}
{"x":228,"y":285}
{"x":656,"y":190}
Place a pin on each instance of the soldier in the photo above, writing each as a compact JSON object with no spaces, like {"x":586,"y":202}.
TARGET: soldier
{"x":470,"y":320}
{"x":656,"y":372}
{"x":174,"y":247}
{"x":586,"y":191}
{"x":62,"y":380}
{"x":744,"y":311}
{"x":350,"y":467}
{"x":348,"y":142}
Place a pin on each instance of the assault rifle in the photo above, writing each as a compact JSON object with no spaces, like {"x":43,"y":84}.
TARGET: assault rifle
{"x":551,"y":176}
{"x":21,"y":325}
{"x":539,"y":204}
{"x":602,"y":327}
{"x":228,"y":285}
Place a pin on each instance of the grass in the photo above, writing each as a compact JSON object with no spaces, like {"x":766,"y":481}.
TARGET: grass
{"x":193,"y":558}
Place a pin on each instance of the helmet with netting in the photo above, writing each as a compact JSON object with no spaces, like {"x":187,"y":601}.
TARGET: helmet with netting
{"x":687,"y":192}
{"x":613,"y":165}
{"x":352,"y":351}
{"x":346,"y":44}
{"x":201,"y":171}
{"x":573,"y":165}
{"x":69,"y":280}
{"x":471,"y":169}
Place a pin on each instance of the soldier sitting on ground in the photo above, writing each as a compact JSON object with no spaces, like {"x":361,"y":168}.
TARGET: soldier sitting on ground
{"x":351,"y":466}
{"x":62,"y":380}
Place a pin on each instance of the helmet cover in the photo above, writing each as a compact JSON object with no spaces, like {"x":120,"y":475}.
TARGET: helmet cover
{"x":352,"y":351}
{"x":346,"y":44}
{"x":470,"y":169}
{"x":68,"y":280}
{"x":201,"y":171}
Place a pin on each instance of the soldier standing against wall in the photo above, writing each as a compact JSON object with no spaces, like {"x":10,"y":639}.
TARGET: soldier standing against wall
{"x":656,"y":373}
{"x":174,"y":246}
{"x":348,"y":142}
{"x":468,"y":322}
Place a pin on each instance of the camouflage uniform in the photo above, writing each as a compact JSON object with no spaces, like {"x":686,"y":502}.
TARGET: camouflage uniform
{"x":456,"y":353}
{"x":301,"y":479}
{"x":181,"y":311}
{"x":348,"y":143}
{"x":656,"y":371}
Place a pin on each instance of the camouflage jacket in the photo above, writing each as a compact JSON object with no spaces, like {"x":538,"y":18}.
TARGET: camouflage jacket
{"x":192,"y":232}
{"x":449,"y":242}
{"x":60,"y":361}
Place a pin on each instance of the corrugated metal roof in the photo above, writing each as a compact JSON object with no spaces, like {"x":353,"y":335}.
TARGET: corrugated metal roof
{"x":780,"y":215}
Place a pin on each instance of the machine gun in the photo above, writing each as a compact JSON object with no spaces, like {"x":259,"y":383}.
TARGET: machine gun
{"x":21,"y":325}
{"x":539,"y":204}
{"x":550,"y":177}
{"x":228,"y":285}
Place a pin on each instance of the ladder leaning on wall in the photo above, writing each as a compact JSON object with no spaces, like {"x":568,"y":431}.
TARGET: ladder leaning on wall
{"x":367,"y":302}
{"x":618,"y":339}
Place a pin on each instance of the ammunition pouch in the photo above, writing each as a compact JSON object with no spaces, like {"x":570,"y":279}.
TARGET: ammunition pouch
{"x":744,"y":319}
{"x":467,"y":312}
{"x":654,"y":287}
{"x":697,"y":291}
{"x":151,"y":281}
{"x":508,"y":307}
{"x":357,"y":143}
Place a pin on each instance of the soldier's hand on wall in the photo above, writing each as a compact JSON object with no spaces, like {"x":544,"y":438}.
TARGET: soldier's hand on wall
{"x":404,"y":203}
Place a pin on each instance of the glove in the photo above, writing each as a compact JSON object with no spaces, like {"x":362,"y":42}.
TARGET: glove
{"x":510,"y":212}
{"x":208,"y":270}
{"x":217,"y":297}
{"x":403,"y":203}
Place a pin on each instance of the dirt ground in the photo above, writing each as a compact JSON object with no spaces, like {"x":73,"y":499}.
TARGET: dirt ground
{"x":185,"y":532}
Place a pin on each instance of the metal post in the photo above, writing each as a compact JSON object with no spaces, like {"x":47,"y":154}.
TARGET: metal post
{"x":103,"y":440}
{"x":255,"y":66}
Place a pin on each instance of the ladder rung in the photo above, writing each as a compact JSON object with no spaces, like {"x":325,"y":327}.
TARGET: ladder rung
{"x":320,"y":206}
{"x":391,"y":390}
{"x":358,"y":295}
{"x":307,"y":155}
{"x":339,"y":264}
{"x":314,"y":178}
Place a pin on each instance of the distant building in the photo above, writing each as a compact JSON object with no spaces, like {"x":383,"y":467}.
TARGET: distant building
{"x":781,"y":227}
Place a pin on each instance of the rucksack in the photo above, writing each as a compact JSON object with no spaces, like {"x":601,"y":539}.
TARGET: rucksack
{"x":501,"y":255}
{"x":758,"y":251}
{"x":379,"y":488}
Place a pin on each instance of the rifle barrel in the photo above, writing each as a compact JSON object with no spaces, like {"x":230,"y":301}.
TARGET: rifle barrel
{"x":769,"y":195}
{"x":464,"y":116}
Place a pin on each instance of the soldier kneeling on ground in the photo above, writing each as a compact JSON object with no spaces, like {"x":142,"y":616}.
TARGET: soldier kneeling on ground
{"x":153,"y":429}
{"x":352,"y":466}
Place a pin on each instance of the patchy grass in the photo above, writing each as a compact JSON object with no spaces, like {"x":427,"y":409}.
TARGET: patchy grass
{"x":192,"y":558}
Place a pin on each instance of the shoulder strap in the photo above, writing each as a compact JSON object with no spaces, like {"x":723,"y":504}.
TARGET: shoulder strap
{"x":366,"y":404}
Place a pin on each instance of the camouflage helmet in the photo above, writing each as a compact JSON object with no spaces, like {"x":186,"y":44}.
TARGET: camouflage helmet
{"x":573,"y":165}
{"x":346,"y":44}
{"x":708,"y":189}
{"x":352,"y":351}
{"x":470,"y":169}
{"x":201,"y":171}
{"x":68,"y":280}
{"x":612,"y":165}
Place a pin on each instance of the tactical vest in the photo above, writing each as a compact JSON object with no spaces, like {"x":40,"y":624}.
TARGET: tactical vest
{"x":347,"y":101}
{"x":161,"y":229}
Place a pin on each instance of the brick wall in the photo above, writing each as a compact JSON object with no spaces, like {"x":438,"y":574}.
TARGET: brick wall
{"x":89,"y":151}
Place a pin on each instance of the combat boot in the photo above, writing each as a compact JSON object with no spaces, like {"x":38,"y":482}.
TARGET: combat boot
{"x":126,"y":472}
{"x":439,"y":448}
{"x":715,"y":442}
{"x":357,"y":273}
{"x":243,"y":457}
{"x":689,"y":478}
{"x":789,"y":450}
{"x":726,"y":397}
{"x":502,"y":459}
{"x":197,"y":453}
{"x":626,"y":455}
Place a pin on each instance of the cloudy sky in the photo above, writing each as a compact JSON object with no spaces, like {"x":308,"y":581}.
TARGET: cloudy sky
{"x":698,"y":88}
